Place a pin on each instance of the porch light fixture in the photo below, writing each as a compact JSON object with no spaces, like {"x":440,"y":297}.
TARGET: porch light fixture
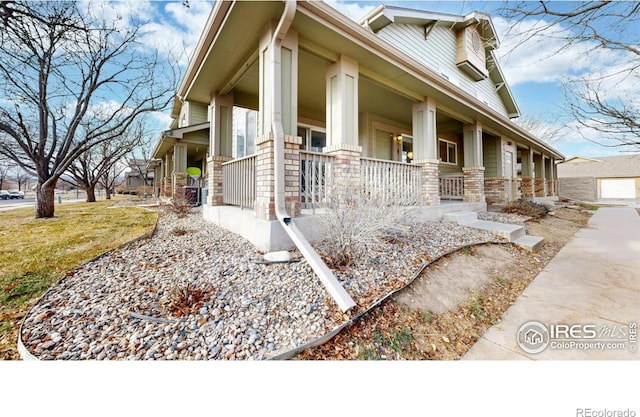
{"x":410,"y":155}
{"x":399,"y":138}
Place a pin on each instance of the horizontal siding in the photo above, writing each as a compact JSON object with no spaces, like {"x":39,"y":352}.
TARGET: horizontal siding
{"x":438,"y":52}
{"x":198,"y":113}
{"x":490,"y":158}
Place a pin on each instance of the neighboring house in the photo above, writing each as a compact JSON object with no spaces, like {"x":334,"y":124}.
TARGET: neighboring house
{"x":138,"y":175}
{"x":592,"y":179}
{"x":407,"y":105}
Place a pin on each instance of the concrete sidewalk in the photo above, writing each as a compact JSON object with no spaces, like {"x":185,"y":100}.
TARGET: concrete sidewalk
{"x":594,"y":280}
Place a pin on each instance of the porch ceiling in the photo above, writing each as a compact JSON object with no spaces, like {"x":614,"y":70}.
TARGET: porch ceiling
{"x":236,"y":40}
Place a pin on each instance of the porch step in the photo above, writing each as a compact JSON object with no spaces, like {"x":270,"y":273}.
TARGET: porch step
{"x":511,"y":232}
{"x":460,"y":217}
{"x":529,"y":242}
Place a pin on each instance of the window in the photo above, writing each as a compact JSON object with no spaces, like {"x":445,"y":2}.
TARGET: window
{"x":244,"y":131}
{"x":313,"y":138}
{"x":448,"y":151}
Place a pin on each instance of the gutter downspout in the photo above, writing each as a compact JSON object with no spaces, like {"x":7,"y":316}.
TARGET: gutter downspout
{"x":339,"y":294}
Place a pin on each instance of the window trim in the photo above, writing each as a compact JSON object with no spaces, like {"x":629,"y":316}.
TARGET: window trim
{"x":455,"y":147}
{"x":306,"y":145}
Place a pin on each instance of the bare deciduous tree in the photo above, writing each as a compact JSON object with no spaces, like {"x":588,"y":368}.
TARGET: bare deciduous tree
{"x":91,"y":166}
{"x":60,"y":66}
{"x":596,"y":101}
{"x":111,"y":179}
{"x":5,"y":167}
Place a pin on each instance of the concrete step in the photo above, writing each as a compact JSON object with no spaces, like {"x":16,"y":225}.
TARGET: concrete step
{"x":460,"y":217}
{"x":530,"y":243}
{"x":511,"y":232}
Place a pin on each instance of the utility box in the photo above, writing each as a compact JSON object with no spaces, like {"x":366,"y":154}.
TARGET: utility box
{"x":193,"y":195}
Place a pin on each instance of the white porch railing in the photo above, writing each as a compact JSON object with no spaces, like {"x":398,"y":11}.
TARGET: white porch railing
{"x":452,"y":186}
{"x":239,"y":182}
{"x":390,"y":180}
{"x":316,"y":170}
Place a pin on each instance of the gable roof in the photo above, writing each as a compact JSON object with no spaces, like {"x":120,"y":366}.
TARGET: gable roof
{"x":610,"y":166}
{"x":384,"y":15}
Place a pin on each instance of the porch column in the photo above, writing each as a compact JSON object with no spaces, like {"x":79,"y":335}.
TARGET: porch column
{"x":220,"y":137}
{"x":538,"y":163}
{"x":342,"y":125}
{"x":285,"y":96}
{"x":551,"y":177}
{"x":473,"y":164}
{"x":528,"y":173}
{"x":158,"y":174}
{"x":179,"y":168}
{"x":167,"y":189}
{"x":425,"y":150}
{"x":545,"y":171}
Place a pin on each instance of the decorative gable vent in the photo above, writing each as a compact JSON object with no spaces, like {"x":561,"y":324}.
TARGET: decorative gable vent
{"x":471,"y":57}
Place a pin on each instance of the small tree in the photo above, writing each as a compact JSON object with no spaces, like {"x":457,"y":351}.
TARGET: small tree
{"x":87,"y":170}
{"x":111,"y":179}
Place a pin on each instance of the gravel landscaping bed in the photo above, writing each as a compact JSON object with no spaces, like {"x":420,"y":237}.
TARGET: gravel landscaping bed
{"x":196,"y":291}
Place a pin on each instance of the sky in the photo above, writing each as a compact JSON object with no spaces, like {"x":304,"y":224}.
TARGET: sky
{"x":534,"y":70}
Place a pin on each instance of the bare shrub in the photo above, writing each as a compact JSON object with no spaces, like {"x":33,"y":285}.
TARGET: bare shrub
{"x":354,"y":223}
{"x":180,"y":205}
{"x":180,"y":231}
{"x":527,"y":208}
{"x":186,"y":299}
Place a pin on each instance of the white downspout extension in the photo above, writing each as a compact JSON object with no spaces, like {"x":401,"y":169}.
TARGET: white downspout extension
{"x":339,"y":294}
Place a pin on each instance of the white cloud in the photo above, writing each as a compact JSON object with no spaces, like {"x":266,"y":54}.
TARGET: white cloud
{"x":352,"y":10}
{"x":176,"y":29}
{"x":546,"y":57}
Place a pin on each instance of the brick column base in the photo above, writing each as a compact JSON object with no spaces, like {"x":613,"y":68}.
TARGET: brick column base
{"x":214,"y":173}
{"x":527,"y":187}
{"x":265,"y":207}
{"x":473,"y":184}
{"x":497,"y":189}
{"x":292,"y":174}
{"x":179,"y":181}
{"x":429,"y":182}
{"x":345,"y":179}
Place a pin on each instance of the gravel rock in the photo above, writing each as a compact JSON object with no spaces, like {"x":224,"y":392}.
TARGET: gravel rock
{"x":236,"y":307}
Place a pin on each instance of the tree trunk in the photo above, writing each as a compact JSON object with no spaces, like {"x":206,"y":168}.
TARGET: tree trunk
{"x":91,"y":194}
{"x":45,"y":200}
{"x":108,"y":193}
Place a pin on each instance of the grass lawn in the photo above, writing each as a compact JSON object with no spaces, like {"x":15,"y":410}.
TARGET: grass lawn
{"x":35,"y":253}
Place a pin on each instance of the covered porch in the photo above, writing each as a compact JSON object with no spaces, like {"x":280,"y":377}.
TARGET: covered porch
{"x":357,"y":118}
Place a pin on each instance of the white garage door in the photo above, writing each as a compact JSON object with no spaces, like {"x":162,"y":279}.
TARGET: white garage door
{"x":618,"y":188}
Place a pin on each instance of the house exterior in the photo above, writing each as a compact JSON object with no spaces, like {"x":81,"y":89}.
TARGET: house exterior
{"x":406,"y":105}
{"x":138,"y":174}
{"x":593,"y":179}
